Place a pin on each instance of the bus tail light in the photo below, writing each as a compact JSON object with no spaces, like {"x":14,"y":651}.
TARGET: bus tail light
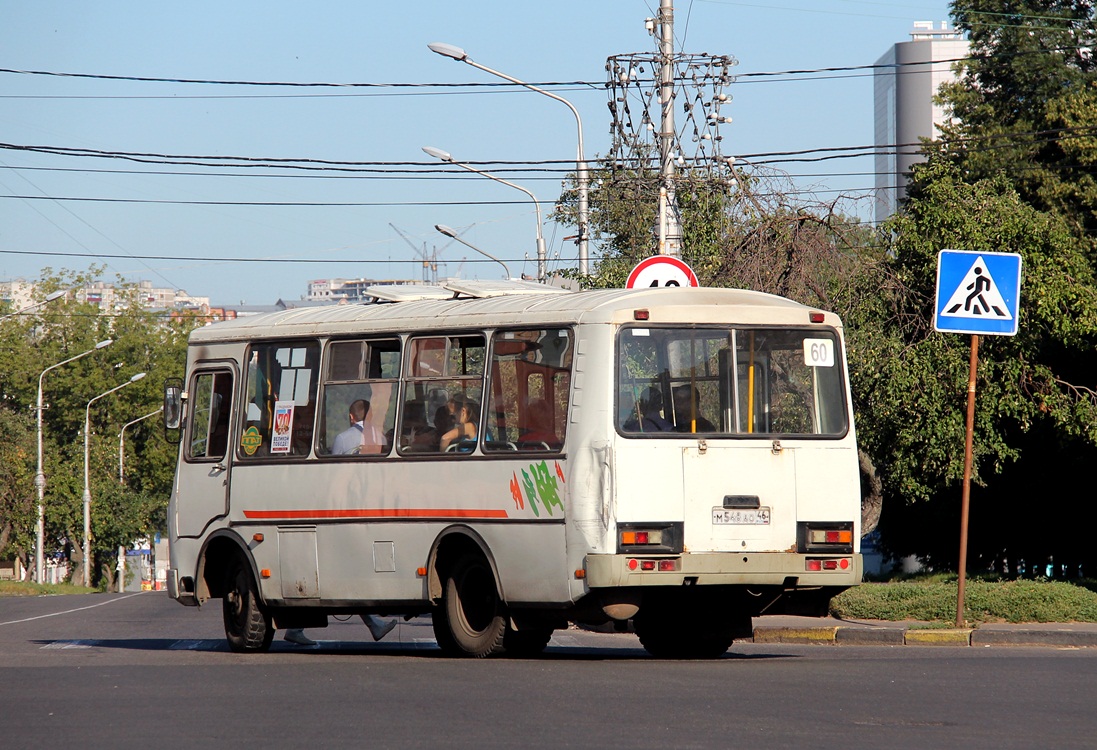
{"x":817,"y":564}
{"x":662,"y":565}
{"x":631,"y":538}
{"x":826,"y":537}
{"x":649,"y":538}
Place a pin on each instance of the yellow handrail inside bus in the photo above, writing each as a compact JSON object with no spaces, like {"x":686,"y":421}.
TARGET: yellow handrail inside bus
{"x":750,"y":387}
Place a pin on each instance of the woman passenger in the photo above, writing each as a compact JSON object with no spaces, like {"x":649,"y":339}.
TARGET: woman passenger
{"x":465,"y":414}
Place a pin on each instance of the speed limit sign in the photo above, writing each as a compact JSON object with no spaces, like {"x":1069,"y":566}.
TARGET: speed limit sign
{"x":661,"y":270}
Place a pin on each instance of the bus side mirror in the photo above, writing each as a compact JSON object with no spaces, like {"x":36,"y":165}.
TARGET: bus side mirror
{"x":173,"y":409}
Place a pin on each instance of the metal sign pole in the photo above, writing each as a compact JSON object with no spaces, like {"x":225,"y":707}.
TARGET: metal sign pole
{"x":965,"y":502}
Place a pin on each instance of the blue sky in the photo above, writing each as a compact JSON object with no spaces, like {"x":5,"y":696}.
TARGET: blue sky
{"x":140,"y":216}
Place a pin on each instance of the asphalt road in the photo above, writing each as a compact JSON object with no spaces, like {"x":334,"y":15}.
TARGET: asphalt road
{"x":113,"y":670}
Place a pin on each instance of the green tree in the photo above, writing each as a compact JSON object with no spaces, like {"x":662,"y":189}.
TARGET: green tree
{"x":1025,"y":104}
{"x":18,"y":508}
{"x":142,"y":342}
{"x":911,"y":383}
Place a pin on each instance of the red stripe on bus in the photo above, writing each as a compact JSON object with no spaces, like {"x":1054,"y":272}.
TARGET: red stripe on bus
{"x":268,"y":515}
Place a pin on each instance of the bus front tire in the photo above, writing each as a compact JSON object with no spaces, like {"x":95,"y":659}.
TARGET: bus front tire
{"x":472,"y":621}
{"x":247,"y":627}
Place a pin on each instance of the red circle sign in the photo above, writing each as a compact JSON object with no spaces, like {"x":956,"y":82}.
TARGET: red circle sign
{"x":660,"y":271}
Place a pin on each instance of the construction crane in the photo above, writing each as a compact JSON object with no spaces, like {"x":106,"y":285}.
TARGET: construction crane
{"x":430,"y":260}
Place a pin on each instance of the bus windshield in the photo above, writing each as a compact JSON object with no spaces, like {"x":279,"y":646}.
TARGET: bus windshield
{"x":730,"y":382}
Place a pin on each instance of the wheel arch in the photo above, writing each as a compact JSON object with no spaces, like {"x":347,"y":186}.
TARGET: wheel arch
{"x":449,"y":546}
{"x":219,"y":549}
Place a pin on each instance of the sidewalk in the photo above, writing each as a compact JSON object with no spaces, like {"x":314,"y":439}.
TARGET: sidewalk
{"x":831,"y":631}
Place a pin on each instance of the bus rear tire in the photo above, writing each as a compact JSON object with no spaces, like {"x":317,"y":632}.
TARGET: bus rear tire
{"x":247,"y":627}
{"x":470,"y":621}
{"x":665,"y":639}
{"x":526,"y":643}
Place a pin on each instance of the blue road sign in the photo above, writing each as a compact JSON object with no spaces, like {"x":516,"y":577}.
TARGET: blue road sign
{"x":978,"y":293}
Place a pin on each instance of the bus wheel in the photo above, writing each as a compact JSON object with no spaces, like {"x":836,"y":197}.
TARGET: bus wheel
{"x":526,"y":643}
{"x":472,"y":621}
{"x":665,"y":639}
{"x":247,"y":627}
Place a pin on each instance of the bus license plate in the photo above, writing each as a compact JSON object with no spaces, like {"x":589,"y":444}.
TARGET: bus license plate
{"x":741,"y":517}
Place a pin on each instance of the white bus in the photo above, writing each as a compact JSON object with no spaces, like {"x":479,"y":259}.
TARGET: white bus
{"x":681,"y":458}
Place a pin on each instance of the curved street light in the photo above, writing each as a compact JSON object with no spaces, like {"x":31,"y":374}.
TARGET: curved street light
{"x":49,"y":298}
{"x":582,"y":177}
{"x":122,"y":443}
{"x":438,"y":153}
{"x":39,"y":477}
{"x":450,"y":232}
{"x":87,"y":485}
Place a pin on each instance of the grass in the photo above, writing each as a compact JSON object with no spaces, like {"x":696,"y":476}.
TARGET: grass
{"x":933,"y":599}
{"x":27,"y":588}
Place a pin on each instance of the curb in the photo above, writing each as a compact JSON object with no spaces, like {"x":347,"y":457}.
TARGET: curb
{"x":949,"y":637}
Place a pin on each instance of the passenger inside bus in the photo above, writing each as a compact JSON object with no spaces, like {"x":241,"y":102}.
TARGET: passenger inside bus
{"x":361,"y":437}
{"x":687,"y":414}
{"x":648,"y":415}
{"x":539,"y":428}
{"x":465,"y":414}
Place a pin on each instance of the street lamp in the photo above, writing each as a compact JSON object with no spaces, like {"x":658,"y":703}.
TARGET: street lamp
{"x":87,"y":485}
{"x":438,"y":153}
{"x":40,"y":478}
{"x":582,"y":178}
{"x":450,"y":232}
{"x":122,"y":444}
{"x":49,"y":298}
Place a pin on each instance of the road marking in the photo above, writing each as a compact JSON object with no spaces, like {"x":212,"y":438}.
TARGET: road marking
{"x":69,"y":644}
{"x":70,"y":611}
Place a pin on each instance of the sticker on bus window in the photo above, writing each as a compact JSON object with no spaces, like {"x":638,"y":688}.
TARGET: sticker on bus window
{"x":818,"y":353}
{"x":251,"y":440}
{"x":283,"y":427}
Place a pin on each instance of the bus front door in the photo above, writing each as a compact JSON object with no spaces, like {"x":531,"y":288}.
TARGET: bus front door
{"x":203,"y":474}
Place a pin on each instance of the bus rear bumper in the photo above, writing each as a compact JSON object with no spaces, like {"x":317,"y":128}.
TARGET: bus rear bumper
{"x":785,"y":569}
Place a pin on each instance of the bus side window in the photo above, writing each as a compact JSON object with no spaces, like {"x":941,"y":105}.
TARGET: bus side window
{"x":529,"y":388}
{"x":280,"y":403}
{"x":443,"y":374}
{"x":358,"y":373}
{"x":212,"y":404}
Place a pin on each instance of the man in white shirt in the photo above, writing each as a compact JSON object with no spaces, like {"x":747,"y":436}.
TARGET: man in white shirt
{"x":360,"y":437}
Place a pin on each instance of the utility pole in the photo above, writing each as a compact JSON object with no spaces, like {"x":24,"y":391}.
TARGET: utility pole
{"x":670,"y":226}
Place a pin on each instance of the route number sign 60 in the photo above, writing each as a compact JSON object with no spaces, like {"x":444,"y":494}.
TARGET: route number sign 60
{"x":818,"y":353}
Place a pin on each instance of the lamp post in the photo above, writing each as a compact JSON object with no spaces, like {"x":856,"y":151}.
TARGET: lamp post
{"x":445,"y":156}
{"x":87,"y":484}
{"x":39,"y":477}
{"x":450,"y":232}
{"x":49,"y":298}
{"x":122,"y":444}
{"x":582,"y":178}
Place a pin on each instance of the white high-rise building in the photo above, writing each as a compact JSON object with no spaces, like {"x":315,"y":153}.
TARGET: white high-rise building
{"x":903,"y":91}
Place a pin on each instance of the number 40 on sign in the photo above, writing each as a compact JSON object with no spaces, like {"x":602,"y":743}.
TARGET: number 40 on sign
{"x":661,"y":271}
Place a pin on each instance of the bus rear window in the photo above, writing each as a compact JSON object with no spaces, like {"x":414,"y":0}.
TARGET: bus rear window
{"x":741,"y":381}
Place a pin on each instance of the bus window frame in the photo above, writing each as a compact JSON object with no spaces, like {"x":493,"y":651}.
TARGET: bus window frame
{"x":396,"y":393}
{"x":241,"y":411}
{"x":410,"y":383}
{"x":210,"y":367}
{"x":732,"y":330}
{"x":523,"y":394}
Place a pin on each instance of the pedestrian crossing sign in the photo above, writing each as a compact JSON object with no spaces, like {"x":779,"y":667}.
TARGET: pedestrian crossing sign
{"x":978,"y":292}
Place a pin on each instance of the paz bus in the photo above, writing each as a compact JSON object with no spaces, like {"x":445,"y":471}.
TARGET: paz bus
{"x":681,"y":458}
